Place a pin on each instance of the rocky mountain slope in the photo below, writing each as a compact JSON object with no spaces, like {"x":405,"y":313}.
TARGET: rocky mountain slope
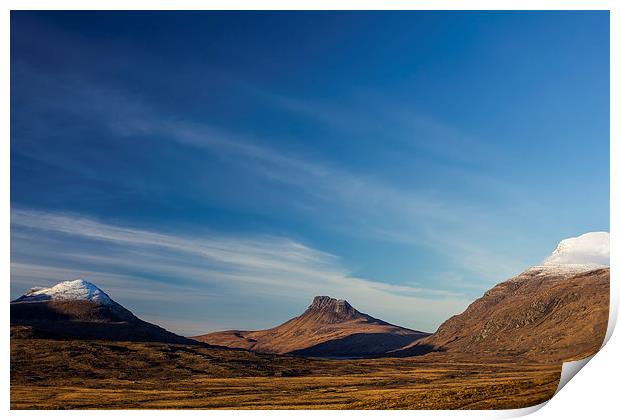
{"x":328,"y":328}
{"x":80,"y":310}
{"x":552,"y":312}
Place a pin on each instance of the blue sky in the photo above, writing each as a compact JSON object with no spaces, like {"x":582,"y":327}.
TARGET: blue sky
{"x":217,"y":170}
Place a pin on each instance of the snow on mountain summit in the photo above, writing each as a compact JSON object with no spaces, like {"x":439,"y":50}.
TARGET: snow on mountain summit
{"x":67,"y":290}
{"x":590,"y":248}
{"x":582,"y":253}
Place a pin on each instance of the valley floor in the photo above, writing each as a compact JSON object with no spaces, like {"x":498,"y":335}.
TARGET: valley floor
{"x":52,"y":374}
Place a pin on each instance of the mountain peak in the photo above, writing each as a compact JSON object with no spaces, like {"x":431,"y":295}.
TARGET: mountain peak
{"x":79,"y":310}
{"x":328,"y":328}
{"x":579,"y":254}
{"x":589,"y":248}
{"x":326,"y":309}
{"x":323,"y":303}
{"x":67,"y":290}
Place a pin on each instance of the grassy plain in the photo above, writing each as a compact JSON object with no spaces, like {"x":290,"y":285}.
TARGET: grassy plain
{"x":55,"y":374}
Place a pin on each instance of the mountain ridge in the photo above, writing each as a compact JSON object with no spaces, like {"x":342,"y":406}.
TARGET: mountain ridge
{"x":553,"y":311}
{"x":327,"y":328}
{"x":538,"y":315}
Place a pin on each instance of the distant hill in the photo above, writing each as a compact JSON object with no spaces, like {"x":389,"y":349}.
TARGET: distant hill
{"x":552,"y":312}
{"x":80,"y":310}
{"x":328,"y":328}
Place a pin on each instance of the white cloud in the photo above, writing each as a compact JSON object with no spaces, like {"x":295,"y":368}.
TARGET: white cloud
{"x":342,"y":200}
{"x":373,"y":208}
{"x":211,"y":266}
{"x":357,"y":204}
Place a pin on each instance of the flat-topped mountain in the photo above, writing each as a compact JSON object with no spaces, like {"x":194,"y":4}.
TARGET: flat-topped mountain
{"x":328,"y":328}
{"x":552,"y":312}
{"x":78,"y":309}
{"x":329,"y":310}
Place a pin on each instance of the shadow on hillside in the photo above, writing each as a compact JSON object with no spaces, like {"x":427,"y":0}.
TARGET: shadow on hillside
{"x":81,"y":320}
{"x":365,"y":345}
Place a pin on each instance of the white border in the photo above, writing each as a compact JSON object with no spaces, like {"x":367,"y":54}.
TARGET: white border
{"x":593,"y":394}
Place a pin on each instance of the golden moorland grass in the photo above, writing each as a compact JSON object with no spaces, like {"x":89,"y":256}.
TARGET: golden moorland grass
{"x":54,"y":374}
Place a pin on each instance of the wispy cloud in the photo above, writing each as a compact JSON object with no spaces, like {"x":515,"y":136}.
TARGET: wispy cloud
{"x":358,"y":204}
{"x":373,"y":207}
{"x":135,"y":264}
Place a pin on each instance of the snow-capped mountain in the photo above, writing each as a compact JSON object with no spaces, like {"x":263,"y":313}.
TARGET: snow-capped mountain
{"x":590,"y":248}
{"x":78,"y":309}
{"x":579,"y":254}
{"x":67,"y":290}
{"x":554,"y":311}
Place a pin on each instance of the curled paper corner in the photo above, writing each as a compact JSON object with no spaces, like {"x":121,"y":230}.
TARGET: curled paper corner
{"x":570,"y":369}
{"x":519,"y":412}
